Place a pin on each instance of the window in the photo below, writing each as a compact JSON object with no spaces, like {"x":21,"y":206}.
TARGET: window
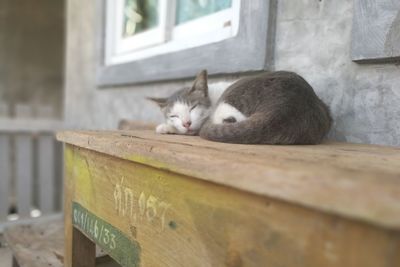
{"x":146,"y":40}
{"x":137,"y":29}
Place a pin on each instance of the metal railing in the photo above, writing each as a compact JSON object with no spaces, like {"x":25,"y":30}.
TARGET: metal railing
{"x":30,"y":168}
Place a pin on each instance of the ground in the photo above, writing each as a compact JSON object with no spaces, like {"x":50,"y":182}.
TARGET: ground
{"x":5,"y":254}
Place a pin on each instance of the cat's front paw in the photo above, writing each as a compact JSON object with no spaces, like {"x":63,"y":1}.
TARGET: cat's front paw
{"x":164,"y":129}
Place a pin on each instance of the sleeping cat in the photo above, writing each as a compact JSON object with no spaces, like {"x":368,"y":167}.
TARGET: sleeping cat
{"x":270,"y":108}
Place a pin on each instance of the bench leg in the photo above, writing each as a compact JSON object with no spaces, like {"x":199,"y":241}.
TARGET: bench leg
{"x":83,"y":250}
{"x":80,"y":251}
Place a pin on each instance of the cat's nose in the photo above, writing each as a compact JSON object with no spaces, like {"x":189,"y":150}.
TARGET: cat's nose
{"x":187,"y":124}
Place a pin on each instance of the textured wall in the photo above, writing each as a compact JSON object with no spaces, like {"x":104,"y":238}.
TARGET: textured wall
{"x":376,"y":30}
{"x":313,"y":39}
{"x":32,"y":53}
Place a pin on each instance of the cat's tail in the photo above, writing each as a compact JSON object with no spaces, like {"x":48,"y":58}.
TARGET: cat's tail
{"x":260,"y":128}
{"x":248,"y":131}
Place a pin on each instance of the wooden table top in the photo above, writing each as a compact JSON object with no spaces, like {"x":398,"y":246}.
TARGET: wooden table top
{"x":360,"y":182}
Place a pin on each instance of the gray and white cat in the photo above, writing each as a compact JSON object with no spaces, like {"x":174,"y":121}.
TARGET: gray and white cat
{"x":270,"y":108}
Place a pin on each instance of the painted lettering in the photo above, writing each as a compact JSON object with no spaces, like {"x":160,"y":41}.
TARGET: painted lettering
{"x":147,"y":207}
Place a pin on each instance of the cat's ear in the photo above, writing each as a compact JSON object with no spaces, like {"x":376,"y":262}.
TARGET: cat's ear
{"x":200,"y":83}
{"x":161,"y":102}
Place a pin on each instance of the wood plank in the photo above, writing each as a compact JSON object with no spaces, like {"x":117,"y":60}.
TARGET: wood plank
{"x":68,"y":196}
{"x":46,"y":173}
{"x":59,"y":175}
{"x":356,"y":181}
{"x":83,"y":250}
{"x":5,"y":175}
{"x":24,"y":174}
{"x":376,"y":27}
{"x":175,"y":220}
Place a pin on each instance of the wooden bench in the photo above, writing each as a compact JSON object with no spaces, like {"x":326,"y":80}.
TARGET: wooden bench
{"x":167,"y":200}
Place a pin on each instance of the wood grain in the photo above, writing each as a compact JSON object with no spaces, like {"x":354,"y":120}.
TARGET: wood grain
{"x":181,"y":221}
{"x":360,"y":182}
{"x":83,"y":250}
{"x":69,"y":185}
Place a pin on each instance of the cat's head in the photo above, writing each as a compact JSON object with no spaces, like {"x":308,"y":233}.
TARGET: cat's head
{"x":187,"y":109}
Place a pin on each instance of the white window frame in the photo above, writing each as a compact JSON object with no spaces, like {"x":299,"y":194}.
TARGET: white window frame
{"x":250,"y":50}
{"x":166,"y":37}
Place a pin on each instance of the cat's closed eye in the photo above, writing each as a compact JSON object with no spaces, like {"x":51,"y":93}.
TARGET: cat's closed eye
{"x":173,"y":116}
{"x":193,"y":107}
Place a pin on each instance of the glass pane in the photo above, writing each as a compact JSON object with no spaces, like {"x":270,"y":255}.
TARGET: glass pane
{"x":193,"y":9}
{"x":139,"y":16}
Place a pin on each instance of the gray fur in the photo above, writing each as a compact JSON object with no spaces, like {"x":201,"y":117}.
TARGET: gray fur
{"x":281,"y":108}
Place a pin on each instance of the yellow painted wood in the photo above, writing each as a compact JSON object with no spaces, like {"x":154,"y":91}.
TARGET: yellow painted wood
{"x":359,"y":182}
{"x":182,"y":221}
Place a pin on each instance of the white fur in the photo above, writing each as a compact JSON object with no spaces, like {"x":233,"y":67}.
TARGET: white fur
{"x":224,"y":111}
{"x":165,"y":129}
{"x":182,"y":110}
{"x":183,"y":113}
{"x":215,"y":91}
{"x":174,"y":125}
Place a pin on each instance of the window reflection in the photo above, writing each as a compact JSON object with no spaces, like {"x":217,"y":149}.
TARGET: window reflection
{"x":192,"y":9}
{"x":139,"y":16}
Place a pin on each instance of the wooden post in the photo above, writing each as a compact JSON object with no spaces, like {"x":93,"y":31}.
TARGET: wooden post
{"x":24,"y":174}
{"x":83,"y":250}
{"x":5,"y":174}
{"x":68,"y":193}
{"x":46,"y":176}
{"x":79,"y":250}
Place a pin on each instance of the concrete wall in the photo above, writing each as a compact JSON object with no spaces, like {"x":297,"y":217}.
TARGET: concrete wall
{"x":32,"y":53}
{"x":313,"y":38}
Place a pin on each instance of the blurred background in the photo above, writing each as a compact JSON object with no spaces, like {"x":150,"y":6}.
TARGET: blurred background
{"x":32,"y":47}
{"x":53,"y":77}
